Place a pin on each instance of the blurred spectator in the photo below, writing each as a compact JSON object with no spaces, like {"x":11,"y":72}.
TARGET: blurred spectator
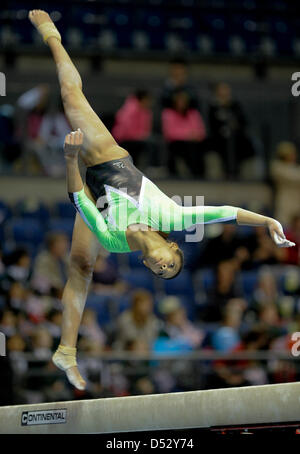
{"x":254,"y":340}
{"x":143,"y":386}
{"x":227,"y":123}
{"x":137,"y":368}
{"x":225,"y":289}
{"x":178,"y":81}
{"x":53,"y":325}
{"x":177,"y":327}
{"x":106,"y":278}
{"x":262,"y":249}
{"x":133,"y":125}
{"x":16,"y":298}
{"x":42,"y":343}
{"x":291,"y":256}
{"x":90,"y":328}
{"x":285,"y":172}
{"x":32,"y":105}
{"x":266,"y":291}
{"x":17,"y":268}
{"x":17,"y":346}
{"x":8,"y":323}
{"x":269,"y":321}
{"x":51,"y":135}
{"x":184,"y":131}
{"x":10,"y":149}
{"x":227,"y":337}
{"x":138,"y":322}
{"x":58,"y":391}
{"x":51,"y":265}
{"x":41,"y":348}
{"x":222,"y":247}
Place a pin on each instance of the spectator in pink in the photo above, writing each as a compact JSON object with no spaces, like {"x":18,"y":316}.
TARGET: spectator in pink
{"x":184,"y":131}
{"x":133,"y":124}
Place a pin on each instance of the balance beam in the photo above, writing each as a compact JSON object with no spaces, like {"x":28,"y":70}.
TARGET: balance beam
{"x":186,"y":410}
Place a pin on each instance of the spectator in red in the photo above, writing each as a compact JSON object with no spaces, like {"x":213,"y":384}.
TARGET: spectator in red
{"x":184,"y":131}
{"x":133,"y":124}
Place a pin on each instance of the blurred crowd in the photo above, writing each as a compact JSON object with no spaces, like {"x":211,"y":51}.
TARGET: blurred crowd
{"x":170,"y":130}
{"x":238,"y":293}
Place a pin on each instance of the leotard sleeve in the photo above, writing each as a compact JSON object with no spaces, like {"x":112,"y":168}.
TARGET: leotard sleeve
{"x":96,"y":223}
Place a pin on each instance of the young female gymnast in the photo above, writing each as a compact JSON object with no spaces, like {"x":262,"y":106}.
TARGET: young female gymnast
{"x":137,"y":216}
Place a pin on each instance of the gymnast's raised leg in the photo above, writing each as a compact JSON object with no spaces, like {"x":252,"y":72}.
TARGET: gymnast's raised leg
{"x":99,"y":146}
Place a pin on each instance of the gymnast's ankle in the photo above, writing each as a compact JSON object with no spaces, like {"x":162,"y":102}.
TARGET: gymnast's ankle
{"x":65,"y":357}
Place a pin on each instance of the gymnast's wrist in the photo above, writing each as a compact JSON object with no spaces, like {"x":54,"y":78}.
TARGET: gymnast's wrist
{"x":269,"y":221}
{"x":72,"y":157}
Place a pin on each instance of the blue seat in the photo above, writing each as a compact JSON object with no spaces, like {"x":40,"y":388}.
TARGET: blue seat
{"x":134,"y":260}
{"x":188,"y":302}
{"x":123,"y":303}
{"x":99,"y":304}
{"x":113,"y":259}
{"x":5,"y":212}
{"x":177,"y":235}
{"x":65,"y":210}
{"x":140,"y":278}
{"x":180,"y":285}
{"x":206,"y":279}
{"x":39,"y":211}
{"x":64,"y":225}
{"x":26,"y":231}
{"x":191,"y":252}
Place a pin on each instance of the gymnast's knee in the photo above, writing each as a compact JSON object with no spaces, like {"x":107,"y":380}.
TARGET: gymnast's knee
{"x":69,"y":91}
{"x":81,"y":264}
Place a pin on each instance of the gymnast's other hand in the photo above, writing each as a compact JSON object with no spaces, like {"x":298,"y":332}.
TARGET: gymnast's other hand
{"x":73,"y":144}
{"x":277,"y":234}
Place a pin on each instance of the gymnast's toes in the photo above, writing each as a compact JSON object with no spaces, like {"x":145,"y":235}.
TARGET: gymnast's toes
{"x":39,"y":17}
{"x":75,"y":378}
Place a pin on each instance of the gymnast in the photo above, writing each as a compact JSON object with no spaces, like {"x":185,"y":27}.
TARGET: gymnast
{"x":118,"y":207}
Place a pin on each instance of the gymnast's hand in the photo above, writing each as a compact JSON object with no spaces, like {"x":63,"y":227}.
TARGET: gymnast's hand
{"x":277,"y":234}
{"x":73,"y":144}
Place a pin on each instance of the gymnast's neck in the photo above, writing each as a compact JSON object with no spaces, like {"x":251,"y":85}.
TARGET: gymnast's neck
{"x":141,"y":237}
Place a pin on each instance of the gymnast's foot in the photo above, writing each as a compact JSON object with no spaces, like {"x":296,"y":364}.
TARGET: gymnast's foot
{"x":65,"y":359}
{"x":44,"y":24}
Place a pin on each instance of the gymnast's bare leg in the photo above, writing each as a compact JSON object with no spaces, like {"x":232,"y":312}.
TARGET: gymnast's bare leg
{"x":99,"y":146}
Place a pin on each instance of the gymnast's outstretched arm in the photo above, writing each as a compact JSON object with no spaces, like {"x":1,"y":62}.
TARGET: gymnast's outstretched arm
{"x":226,"y":213}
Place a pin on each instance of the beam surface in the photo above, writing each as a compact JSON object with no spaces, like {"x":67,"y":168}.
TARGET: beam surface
{"x":194,"y":409}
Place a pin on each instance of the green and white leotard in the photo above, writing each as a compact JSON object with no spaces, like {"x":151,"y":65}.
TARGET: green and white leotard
{"x":153,"y":208}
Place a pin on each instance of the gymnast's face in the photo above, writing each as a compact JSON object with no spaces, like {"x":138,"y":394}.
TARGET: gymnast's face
{"x":164,"y":261}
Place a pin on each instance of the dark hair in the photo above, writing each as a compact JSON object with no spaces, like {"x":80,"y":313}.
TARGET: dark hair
{"x":180,"y":91}
{"x":51,"y":238}
{"x":141,"y":94}
{"x":178,"y":61}
{"x":13,"y":257}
